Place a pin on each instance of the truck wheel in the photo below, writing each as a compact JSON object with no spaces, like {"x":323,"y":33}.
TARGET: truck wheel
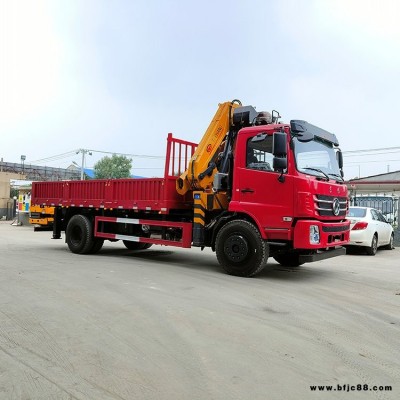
{"x":136,"y":245}
{"x":371,"y":251}
{"x":97,"y":245}
{"x":288,"y":260}
{"x":79,"y":234}
{"x":240,"y":249}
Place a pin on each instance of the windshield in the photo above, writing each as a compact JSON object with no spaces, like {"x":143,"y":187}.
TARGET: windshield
{"x":317,"y":158}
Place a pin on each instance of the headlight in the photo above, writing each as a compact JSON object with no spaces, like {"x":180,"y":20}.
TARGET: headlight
{"x":314,"y":234}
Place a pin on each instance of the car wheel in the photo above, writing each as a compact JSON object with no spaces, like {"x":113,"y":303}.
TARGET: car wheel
{"x":371,"y":251}
{"x":390,"y":245}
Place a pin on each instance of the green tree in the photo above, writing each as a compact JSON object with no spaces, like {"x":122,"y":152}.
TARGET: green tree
{"x":113,"y":167}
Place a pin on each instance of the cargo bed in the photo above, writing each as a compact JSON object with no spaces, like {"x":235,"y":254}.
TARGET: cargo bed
{"x":156,"y":194}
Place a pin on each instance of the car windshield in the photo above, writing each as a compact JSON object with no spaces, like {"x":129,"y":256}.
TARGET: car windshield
{"x":317,"y":158}
{"x":357,"y":212}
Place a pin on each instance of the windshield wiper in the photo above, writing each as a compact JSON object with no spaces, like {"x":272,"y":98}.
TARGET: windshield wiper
{"x":318,"y":170}
{"x":337,"y":176}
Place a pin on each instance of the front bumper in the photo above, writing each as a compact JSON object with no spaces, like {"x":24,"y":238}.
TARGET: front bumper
{"x":322,"y":254}
{"x":331,"y":234}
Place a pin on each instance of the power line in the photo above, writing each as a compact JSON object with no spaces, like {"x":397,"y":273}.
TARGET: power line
{"x":353,"y":153}
{"x":73,"y":152}
{"x":372,"y":150}
{"x":372,"y":154}
{"x":54,"y":158}
{"x":128,"y":154}
{"x":370,"y":161}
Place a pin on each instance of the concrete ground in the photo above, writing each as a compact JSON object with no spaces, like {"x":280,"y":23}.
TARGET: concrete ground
{"x":166,"y":323}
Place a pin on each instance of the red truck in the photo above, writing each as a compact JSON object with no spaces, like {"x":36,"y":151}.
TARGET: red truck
{"x":253,"y":188}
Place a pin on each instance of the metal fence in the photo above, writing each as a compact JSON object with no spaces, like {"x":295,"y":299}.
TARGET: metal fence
{"x":388,"y":205}
{"x":40,"y":173}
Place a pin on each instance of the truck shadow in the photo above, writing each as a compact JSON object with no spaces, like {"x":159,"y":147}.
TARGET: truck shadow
{"x":208,"y":262}
{"x":314,"y":271}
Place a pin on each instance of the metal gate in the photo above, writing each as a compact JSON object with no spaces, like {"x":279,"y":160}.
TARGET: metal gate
{"x":388,"y":205}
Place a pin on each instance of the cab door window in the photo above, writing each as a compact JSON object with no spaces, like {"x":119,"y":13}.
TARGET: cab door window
{"x":259,"y":154}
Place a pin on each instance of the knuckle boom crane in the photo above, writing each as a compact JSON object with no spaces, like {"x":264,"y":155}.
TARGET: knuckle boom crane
{"x":253,"y":188}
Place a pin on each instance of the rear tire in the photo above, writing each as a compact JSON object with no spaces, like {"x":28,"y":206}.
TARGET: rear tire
{"x":97,"y":245}
{"x":240,"y":249}
{"x":288,"y":260}
{"x":79,"y":234}
{"x":371,"y":251}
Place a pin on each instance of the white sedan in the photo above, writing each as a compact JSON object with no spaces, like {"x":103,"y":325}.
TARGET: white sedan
{"x":369,"y":229}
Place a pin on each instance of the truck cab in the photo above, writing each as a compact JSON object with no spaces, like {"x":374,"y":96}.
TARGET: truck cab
{"x":287,"y":180}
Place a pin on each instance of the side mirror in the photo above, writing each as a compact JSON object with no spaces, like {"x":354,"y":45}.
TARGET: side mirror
{"x":279,"y":144}
{"x":279,"y":164}
{"x":279,"y":150}
{"x":339,"y":156}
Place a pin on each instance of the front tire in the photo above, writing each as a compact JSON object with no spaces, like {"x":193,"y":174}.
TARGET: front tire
{"x":390,"y":245}
{"x":240,"y":249}
{"x":79,"y":234}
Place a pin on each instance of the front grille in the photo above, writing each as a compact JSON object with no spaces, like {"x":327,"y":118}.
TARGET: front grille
{"x":335,"y":228}
{"x":324,"y":205}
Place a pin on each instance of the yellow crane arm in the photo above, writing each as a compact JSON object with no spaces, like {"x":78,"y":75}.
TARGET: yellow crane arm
{"x":195,"y":178}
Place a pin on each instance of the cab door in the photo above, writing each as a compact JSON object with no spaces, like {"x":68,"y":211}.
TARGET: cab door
{"x":258,"y":189}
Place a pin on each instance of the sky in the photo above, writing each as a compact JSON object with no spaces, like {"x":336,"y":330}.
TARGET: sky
{"x":117,"y":76}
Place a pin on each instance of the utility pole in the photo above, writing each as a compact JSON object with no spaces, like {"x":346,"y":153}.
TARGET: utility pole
{"x":84,"y":152}
{"x":23,"y":158}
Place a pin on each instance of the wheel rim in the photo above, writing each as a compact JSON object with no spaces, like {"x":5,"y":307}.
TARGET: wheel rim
{"x":76,"y":235}
{"x":236,"y":248}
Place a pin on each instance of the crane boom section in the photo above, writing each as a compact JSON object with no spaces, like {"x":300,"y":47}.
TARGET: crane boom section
{"x":199,"y":174}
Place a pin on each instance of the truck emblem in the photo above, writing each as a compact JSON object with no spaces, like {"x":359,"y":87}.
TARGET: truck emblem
{"x":336,"y":206}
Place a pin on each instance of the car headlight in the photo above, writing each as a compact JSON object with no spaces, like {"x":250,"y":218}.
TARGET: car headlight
{"x":314,"y":234}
